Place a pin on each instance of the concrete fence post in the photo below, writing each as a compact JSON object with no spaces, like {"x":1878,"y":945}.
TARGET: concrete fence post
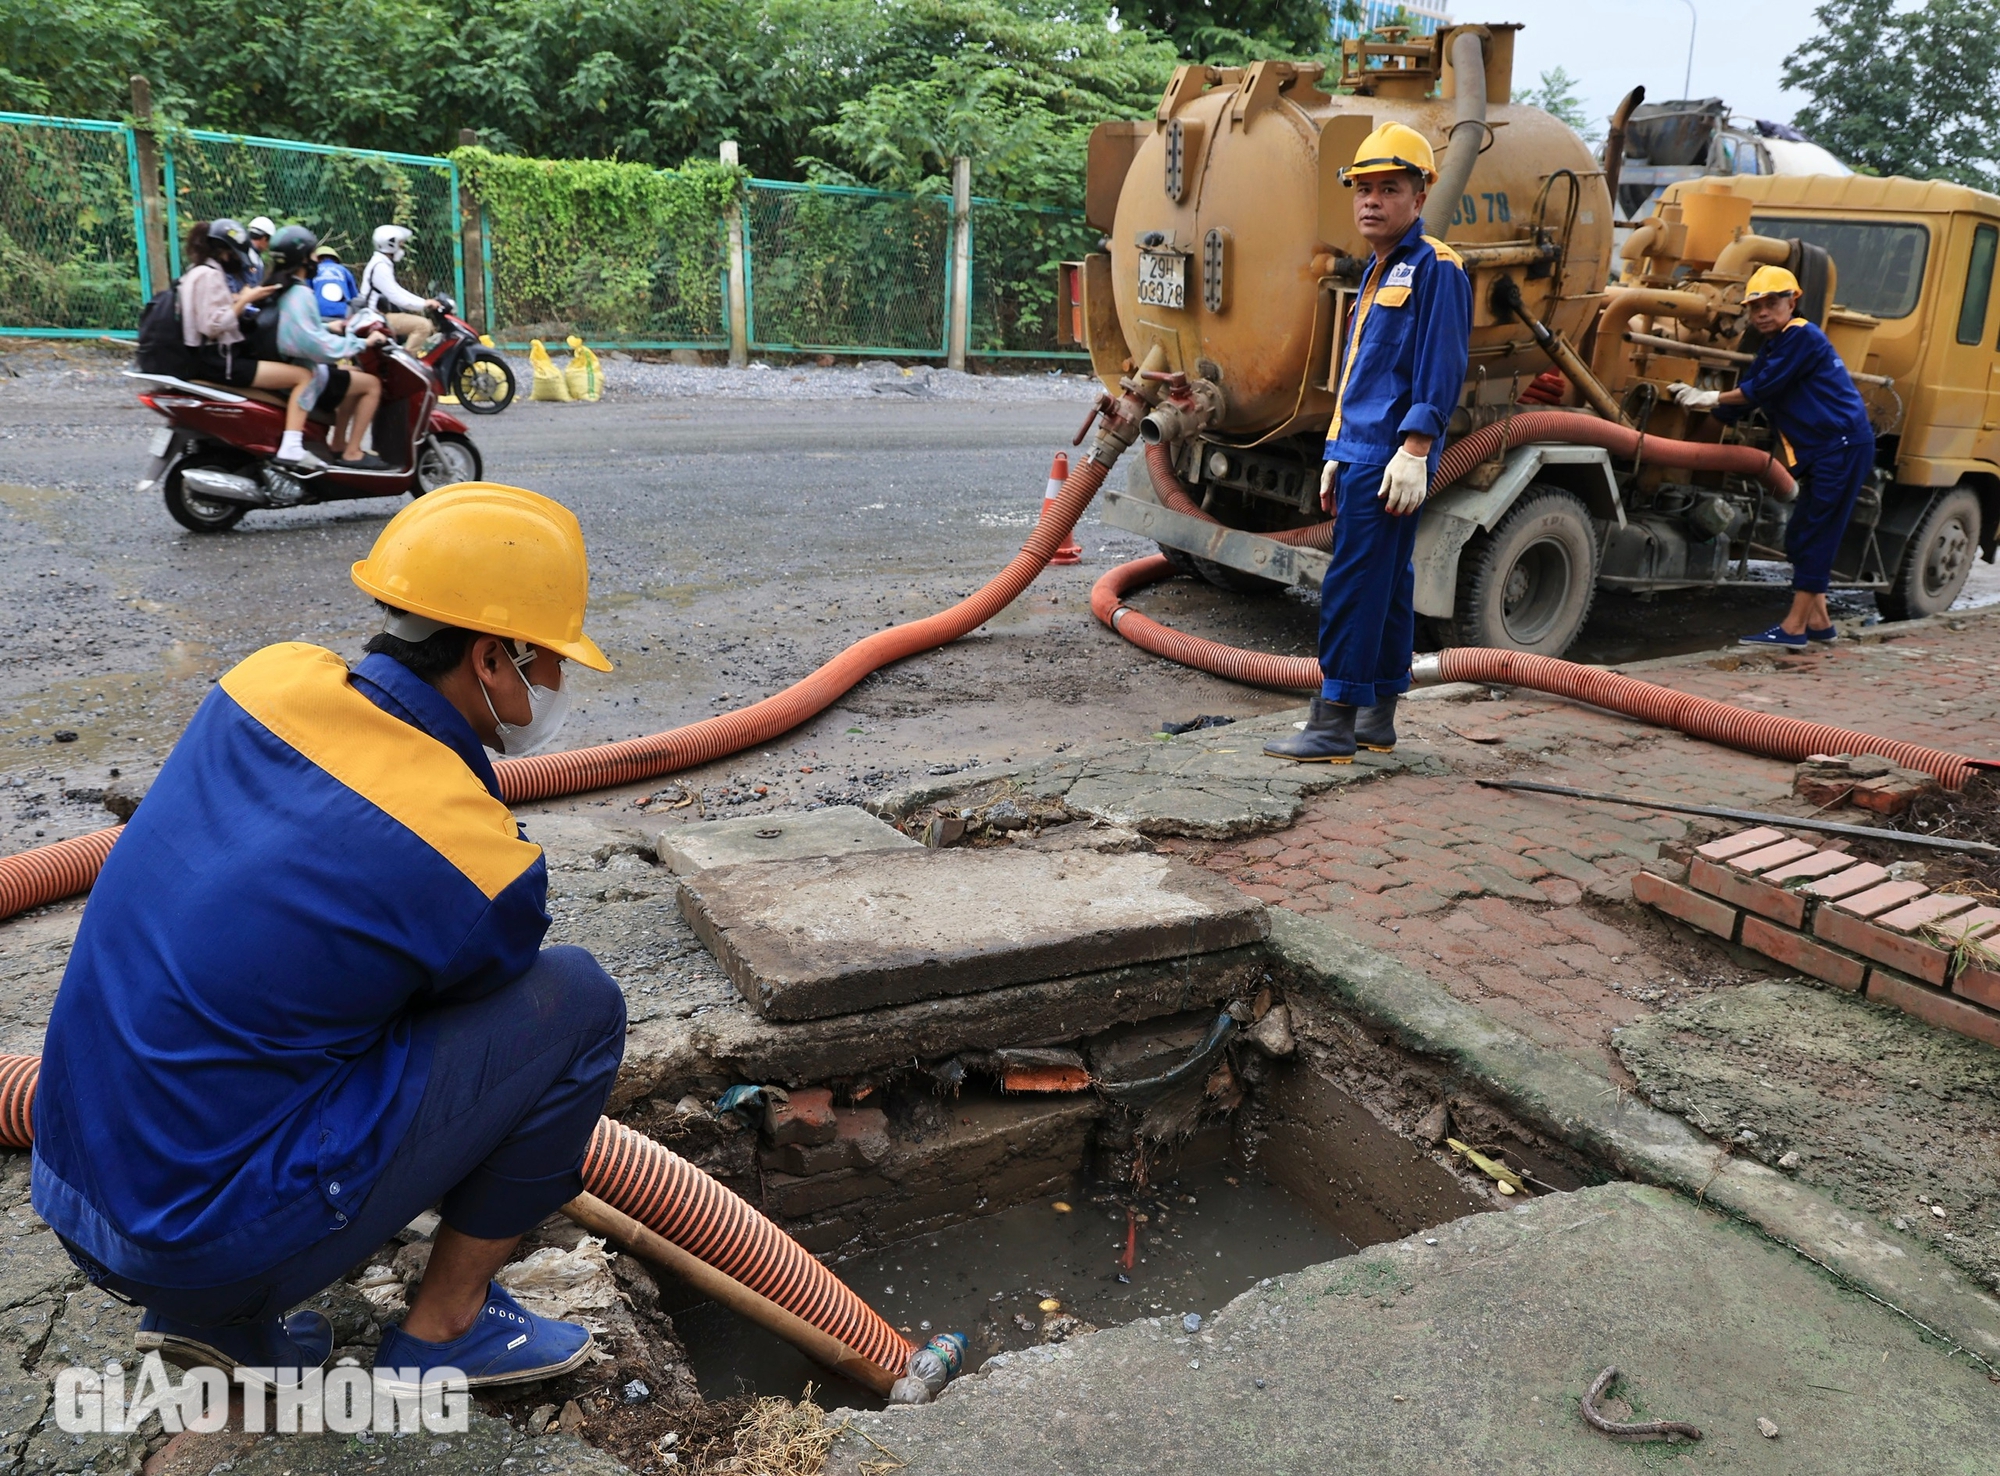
{"x":151,"y":207}
{"x":958,"y":324}
{"x":739,"y":296}
{"x":474,"y":246}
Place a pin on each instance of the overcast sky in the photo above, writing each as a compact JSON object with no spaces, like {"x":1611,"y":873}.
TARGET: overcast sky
{"x":1614,"y":45}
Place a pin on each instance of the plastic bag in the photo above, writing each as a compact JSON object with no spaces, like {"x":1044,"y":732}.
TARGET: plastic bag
{"x":549,"y":381}
{"x":585,"y":378}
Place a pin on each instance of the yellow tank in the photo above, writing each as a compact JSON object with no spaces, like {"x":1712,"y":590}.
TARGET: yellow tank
{"x":1232,"y":245}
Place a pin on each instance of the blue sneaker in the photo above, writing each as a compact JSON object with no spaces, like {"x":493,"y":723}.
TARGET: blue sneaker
{"x":286,"y":1347}
{"x":506,"y":1344}
{"x":1824,"y":636}
{"x":1777,"y":635}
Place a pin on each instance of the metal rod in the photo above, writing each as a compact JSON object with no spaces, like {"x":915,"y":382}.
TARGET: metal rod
{"x":1761,"y":817}
{"x":1727,"y":356}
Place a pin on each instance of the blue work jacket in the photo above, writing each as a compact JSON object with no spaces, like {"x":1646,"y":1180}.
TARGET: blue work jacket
{"x":1408,"y":340}
{"x":1801,"y":385}
{"x":333,"y":289}
{"x":240,"y":1041}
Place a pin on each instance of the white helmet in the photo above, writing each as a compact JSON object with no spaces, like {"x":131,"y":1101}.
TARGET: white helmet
{"x":389,"y":240}
{"x":264,"y":226}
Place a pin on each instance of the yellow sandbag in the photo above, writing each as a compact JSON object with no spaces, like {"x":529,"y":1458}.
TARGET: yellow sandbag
{"x":585,"y":378}
{"x":549,"y":382}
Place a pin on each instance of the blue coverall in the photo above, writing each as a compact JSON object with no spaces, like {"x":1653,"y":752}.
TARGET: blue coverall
{"x":1800,"y":383}
{"x":1402,"y":373}
{"x":308,"y":999}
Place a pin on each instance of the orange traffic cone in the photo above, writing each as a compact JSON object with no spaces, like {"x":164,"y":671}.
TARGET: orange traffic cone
{"x":1071,"y":552}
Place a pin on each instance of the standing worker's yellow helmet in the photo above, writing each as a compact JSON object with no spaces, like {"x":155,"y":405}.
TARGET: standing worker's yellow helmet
{"x":1390,"y":148}
{"x":1769,"y":281}
{"x":500,"y":560}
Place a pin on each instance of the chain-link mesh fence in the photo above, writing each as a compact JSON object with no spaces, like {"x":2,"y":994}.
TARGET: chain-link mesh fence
{"x":69,"y":253}
{"x":842,"y":270}
{"x":341,"y":195}
{"x":1015,"y":252}
{"x":827,"y":268}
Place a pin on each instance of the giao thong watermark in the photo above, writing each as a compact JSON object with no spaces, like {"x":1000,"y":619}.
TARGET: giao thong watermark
{"x":345,"y":1400}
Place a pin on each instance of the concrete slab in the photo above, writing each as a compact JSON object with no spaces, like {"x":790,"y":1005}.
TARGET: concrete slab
{"x":1470,"y":1355}
{"x":838,"y":830}
{"x":804,"y":940}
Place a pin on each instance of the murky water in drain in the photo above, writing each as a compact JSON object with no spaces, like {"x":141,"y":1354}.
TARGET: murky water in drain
{"x":1206,"y":1239}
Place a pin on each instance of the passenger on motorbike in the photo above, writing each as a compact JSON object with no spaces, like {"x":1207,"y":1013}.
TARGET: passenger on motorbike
{"x":333,"y":286}
{"x":212,"y":313}
{"x":381,"y":291}
{"x":302,"y":338}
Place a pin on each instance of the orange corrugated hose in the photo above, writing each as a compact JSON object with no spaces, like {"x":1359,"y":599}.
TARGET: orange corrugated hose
{"x":664,"y":1192}
{"x":1698,"y":717}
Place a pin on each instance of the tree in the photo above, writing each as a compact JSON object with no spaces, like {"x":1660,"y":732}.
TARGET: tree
{"x":1897,"y":91}
{"x":1233,"y":31}
{"x":1557,"y":97}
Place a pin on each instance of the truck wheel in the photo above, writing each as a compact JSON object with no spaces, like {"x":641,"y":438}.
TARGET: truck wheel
{"x":1937,"y":560}
{"x":1527,"y":585}
{"x":1234,"y":580}
{"x":1182,"y":560}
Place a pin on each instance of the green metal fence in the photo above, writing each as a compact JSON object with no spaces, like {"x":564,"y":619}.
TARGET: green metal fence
{"x":341,"y":194}
{"x":827,"y":268}
{"x":72,"y":249}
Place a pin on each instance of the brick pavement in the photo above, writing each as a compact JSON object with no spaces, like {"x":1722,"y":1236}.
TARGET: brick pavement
{"x":1520,"y":904}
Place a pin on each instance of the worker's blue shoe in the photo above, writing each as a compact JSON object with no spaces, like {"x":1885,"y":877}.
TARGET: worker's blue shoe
{"x":279,"y":1350}
{"x":1777,"y":635}
{"x":1825,"y":636}
{"x":506,"y":1344}
{"x":1375,"y":727}
{"x":1327,"y":738}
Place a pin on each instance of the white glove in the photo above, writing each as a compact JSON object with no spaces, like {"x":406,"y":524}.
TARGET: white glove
{"x":1405,"y":484}
{"x":1329,"y":475}
{"x":1694,"y":399}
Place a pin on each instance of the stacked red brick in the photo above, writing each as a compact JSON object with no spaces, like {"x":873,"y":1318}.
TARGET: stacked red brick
{"x":1845,"y":921}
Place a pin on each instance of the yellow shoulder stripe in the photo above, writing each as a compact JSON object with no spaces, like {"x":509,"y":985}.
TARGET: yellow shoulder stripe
{"x":302,"y":694}
{"x":1445,"y":253}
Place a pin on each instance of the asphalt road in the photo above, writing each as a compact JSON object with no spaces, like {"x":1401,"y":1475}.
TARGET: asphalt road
{"x":735,"y":545}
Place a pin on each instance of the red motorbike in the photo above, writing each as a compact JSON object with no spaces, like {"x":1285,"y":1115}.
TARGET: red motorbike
{"x":213,"y":460}
{"x":477,"y":375}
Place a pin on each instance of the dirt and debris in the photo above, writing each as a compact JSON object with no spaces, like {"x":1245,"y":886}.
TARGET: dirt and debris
{"x":1971,"y":813}
{"x":1864,"y":1102}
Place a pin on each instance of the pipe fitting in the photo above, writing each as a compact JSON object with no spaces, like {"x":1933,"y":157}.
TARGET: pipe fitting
{"x":1190,"y":406}
{"x":1427,"y":670}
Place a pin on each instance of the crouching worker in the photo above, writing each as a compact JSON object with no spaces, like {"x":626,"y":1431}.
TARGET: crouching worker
{"x":308,"y":999}
{"x":1798,"y":380}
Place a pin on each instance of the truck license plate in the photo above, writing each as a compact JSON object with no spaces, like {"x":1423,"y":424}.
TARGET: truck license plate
{"x":162,"y":440}
{"x":1163,"y":279}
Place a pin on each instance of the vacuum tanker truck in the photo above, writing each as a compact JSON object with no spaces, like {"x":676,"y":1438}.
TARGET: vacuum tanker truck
{"x":1230,"y":262}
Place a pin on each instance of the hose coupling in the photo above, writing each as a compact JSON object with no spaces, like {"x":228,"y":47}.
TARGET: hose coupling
{"x":1189,"y":406}
{"x":1117,"y":427}
{"x":1427,"y":670}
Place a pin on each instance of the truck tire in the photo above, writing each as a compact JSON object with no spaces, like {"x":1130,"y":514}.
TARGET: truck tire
{"x":1936,"y":561}
{"x":1527,"y":585}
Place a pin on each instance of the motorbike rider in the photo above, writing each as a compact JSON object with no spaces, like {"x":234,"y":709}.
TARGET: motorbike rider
{"x":333,"y":287}
{"x":302,"y":338}
{"x":213,"y":310}
{"x":380,"y":290}
{"x":261,"y":229}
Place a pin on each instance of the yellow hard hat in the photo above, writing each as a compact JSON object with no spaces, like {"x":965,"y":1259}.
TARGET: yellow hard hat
{"x":1389,"y":148}
{"x":1769,"y":281}
{"x":500,"y":560}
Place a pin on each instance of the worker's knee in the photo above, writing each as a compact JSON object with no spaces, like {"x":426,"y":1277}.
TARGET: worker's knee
{"x":572,"y":986}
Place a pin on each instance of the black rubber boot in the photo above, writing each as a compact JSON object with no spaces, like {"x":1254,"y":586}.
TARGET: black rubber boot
{"x":1327,"y":738}
{"x":1375,"y":727}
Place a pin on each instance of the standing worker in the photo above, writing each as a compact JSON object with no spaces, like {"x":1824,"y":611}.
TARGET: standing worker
{"x":309,"y":998}
{"x":1798,"y":380}
{"x":1401,"y":374}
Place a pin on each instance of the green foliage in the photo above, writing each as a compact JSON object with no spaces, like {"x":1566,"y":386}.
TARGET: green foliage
{"x":72,"y":57}
{"x":1557,"y":97}
{"x":616,"y":249}
{"x":1897,"y":90}
{"x":68,"y":258}
{"x":1229,"y":32}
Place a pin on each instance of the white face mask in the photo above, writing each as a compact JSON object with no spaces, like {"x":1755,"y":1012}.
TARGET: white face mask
{"x":548,"y":707}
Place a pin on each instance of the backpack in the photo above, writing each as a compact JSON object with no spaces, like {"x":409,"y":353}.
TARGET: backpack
{"x":160,"y":348}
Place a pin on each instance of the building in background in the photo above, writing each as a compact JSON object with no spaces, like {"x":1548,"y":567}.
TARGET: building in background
{"x":1423,"y":17}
